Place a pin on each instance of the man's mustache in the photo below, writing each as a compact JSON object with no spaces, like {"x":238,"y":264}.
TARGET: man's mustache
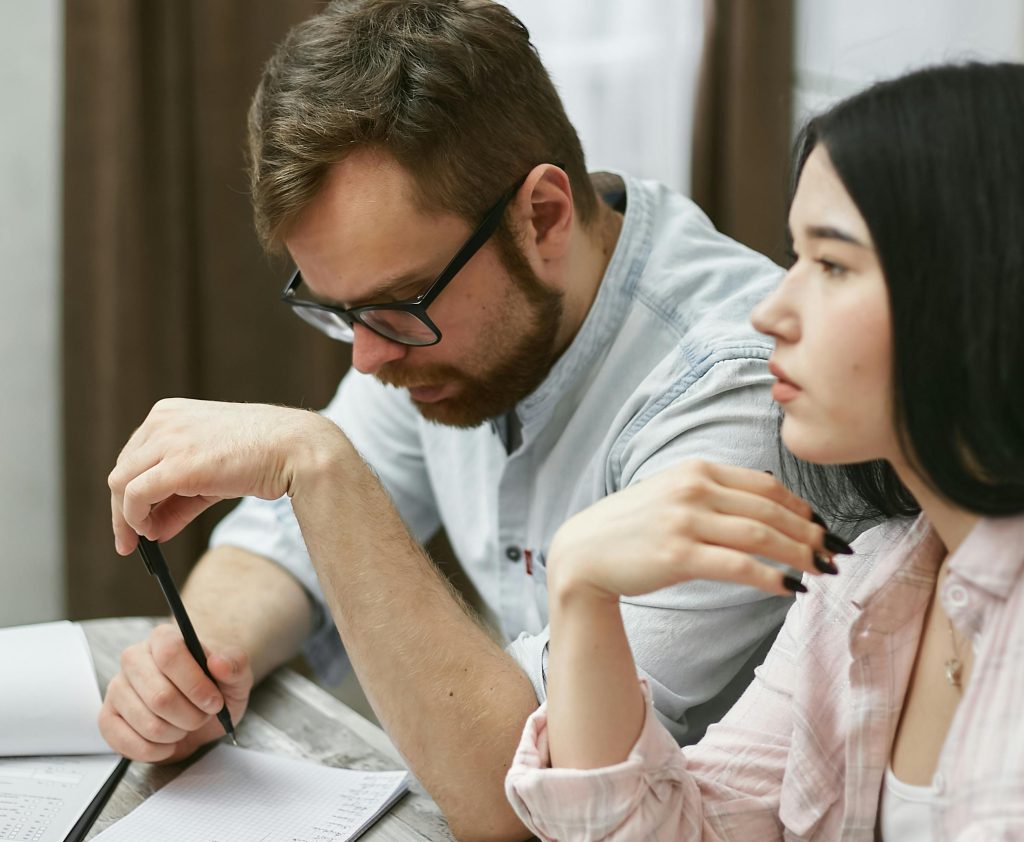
{"x":423,"y":376}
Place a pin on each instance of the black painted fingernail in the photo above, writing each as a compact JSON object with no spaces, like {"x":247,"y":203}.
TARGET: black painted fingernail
{"x":818,"y":520}
{"x":824,"y":565}
{"x":794,"y":584}
{"x":835,"y":544}
{"x":770,"y":473}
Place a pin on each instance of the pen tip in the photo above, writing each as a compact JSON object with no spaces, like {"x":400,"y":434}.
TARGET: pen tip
{"x":234,"y":740}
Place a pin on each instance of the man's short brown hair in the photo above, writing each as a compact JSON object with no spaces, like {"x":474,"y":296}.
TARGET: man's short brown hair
{"x":452,"y":89}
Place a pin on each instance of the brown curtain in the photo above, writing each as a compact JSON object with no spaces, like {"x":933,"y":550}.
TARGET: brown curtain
{"x":165,"y":289}
{"x":743,"y":120}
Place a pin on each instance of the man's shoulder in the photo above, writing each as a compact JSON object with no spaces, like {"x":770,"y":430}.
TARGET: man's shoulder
{"x":701,"y":283}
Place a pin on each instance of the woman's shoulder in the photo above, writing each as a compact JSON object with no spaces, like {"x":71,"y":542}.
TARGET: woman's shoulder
{"x":877,"y":553}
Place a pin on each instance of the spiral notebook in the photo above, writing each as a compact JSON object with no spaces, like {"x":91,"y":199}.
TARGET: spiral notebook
{"x":239,"y":795}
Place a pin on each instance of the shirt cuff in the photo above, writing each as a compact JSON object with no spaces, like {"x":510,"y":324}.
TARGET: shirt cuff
{"x":591,"y":803}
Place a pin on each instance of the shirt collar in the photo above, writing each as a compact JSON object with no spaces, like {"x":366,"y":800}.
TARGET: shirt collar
{"x":902,"y":580}
{"x":991,"y":557}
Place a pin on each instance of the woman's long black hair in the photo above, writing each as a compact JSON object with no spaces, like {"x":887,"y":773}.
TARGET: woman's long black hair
{"x":934,"y":162}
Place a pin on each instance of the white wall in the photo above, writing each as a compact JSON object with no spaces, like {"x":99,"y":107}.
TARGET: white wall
{"x":627,"y":74}
{"x":31,"y":543}
{"x":842,"y":46}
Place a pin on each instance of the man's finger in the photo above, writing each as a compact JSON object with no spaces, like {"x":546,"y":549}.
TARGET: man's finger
{"x":125,"y":740}
{"x":166,"y":696}
{"x":232,"y":670}
{"x":145,"y":723}
{"x":169,"y":517}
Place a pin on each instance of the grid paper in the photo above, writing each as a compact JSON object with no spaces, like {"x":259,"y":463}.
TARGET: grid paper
{"x":239,"y":795}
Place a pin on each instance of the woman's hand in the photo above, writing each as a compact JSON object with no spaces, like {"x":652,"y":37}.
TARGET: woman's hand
{"x":188,"y":455}
{"x":697,"y":520}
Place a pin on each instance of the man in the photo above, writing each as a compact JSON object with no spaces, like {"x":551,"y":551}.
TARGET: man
{"x":586,"y":335}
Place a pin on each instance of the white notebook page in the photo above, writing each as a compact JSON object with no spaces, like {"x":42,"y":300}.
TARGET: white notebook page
{"x":49,"y":699}
{"x":238,"y":795}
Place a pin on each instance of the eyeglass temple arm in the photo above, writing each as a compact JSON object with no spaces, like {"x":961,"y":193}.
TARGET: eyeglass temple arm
{"x":474,"y":243}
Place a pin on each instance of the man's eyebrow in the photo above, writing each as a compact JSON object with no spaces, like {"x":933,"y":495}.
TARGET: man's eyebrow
{"x":387,"y":288}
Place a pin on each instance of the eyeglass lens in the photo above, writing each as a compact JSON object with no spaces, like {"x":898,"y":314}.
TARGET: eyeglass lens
{"x":330,"y":323}
{"x":396,"y":325}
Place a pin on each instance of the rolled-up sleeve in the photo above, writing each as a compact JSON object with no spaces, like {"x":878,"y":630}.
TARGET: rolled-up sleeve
{"x":631,"y":800}
{"x":383,"y":426}
{"x":727,"y":788}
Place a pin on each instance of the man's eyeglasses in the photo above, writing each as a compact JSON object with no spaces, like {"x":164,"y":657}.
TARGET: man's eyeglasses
{"x":405,"y":322}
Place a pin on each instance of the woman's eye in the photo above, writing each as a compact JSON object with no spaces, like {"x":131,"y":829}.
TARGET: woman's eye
{"x":833,"y":270}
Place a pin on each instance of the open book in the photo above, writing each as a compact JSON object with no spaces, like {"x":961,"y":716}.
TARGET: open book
{"x":55,"y":769}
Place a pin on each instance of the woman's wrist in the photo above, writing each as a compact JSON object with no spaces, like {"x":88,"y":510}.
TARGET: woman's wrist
{"x":571,"y":582}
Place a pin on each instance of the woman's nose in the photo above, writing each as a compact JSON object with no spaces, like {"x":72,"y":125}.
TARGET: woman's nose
{"x":775,"y":315}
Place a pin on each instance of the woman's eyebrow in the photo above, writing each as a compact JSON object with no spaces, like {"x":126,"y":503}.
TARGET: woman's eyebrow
{"x":830,"y":232}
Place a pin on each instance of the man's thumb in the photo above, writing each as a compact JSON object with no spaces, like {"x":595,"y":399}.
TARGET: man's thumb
{"x":230,"y":669}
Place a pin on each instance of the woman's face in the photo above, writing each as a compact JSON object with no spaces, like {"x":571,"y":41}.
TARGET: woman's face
{"x":830,"y":321}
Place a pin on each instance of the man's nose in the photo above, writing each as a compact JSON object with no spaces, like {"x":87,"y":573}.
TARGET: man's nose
{"x":371,"y":350}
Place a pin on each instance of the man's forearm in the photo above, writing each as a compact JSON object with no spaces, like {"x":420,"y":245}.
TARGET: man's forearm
{"x":451,"y":699}
{"x":237,"y":598}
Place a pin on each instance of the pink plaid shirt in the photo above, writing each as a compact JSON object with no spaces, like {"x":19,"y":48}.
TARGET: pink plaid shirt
{"x":803,"y":752}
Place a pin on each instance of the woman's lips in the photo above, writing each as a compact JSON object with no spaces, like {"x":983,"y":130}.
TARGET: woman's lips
{"x":783,"y":390}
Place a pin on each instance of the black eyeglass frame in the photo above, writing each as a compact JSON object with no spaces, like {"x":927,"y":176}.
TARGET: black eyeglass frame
{"x":416,"y":307}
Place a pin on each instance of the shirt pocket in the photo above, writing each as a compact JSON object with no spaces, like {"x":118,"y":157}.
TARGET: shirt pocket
{"x":811,"y":787}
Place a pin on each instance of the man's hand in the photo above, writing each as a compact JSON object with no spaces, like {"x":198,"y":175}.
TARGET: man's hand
{"x":188,"y":455}
{"x":161,"y":706}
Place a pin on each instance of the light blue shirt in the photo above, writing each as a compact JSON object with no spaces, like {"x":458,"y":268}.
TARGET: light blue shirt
{"x":665,"y":367}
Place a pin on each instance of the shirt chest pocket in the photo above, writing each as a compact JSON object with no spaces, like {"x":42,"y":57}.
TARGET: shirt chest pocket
{"x":812,"y":787}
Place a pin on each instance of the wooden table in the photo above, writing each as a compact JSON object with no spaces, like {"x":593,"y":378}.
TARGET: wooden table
{"x":287,"y":715}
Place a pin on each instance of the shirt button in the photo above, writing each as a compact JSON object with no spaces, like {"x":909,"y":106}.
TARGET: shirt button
{"x":512,"y":553}
{"x":956,"y":595}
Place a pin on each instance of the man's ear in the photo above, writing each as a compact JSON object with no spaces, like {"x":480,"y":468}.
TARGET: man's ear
{"x":545,"y":209}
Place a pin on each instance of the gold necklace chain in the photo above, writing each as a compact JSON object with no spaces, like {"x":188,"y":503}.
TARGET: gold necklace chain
{"x":954,"y":666}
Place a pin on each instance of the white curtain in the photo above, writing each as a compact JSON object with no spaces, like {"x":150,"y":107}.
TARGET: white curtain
{"x":627,"y":72}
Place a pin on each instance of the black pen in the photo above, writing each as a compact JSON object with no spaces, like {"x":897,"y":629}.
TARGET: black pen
{"x":155,"y":564}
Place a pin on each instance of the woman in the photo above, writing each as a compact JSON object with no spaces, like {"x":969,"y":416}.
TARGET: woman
{"x":893,"y":699}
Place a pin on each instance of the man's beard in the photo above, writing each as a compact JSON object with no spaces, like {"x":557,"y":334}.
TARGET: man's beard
{"x":516,"y":371}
